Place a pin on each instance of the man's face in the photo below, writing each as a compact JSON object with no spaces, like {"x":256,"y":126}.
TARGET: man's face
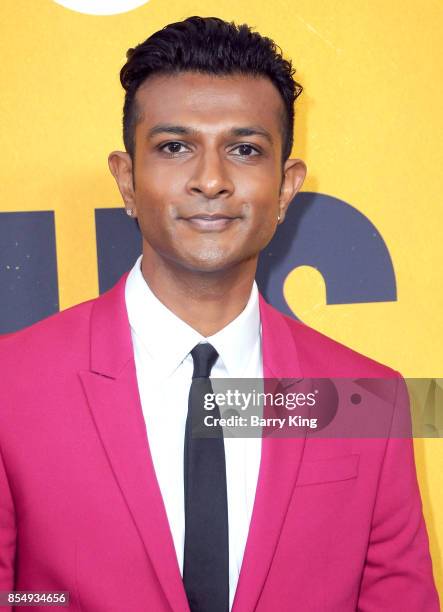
{"x":209,"y":184}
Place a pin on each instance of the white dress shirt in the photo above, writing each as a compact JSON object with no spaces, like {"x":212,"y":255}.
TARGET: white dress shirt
{"x":162,"y":343}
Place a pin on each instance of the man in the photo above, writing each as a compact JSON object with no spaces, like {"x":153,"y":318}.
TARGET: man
{"x":104,"y":490}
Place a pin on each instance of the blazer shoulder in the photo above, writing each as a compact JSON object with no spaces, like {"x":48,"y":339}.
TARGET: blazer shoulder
{"x":335,"y":358}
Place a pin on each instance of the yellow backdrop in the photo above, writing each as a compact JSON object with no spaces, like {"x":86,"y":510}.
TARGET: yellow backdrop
{"x":369,"y":127}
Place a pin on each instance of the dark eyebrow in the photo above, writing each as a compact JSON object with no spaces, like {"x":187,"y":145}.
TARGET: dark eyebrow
{"x":252,"y":131}
{"x":186,"y":131}
{"x":170,"y":129}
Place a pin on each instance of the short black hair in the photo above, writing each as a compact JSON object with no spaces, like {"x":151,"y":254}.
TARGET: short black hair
{"x":208,"y":45}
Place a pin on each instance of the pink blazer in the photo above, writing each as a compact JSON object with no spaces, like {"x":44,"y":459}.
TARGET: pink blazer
{"x":337,"y":524}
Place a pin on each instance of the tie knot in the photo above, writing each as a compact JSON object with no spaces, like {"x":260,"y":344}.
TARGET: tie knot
{"x":204,"y":356}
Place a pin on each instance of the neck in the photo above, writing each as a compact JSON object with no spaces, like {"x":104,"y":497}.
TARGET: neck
{"x":207,"y":301}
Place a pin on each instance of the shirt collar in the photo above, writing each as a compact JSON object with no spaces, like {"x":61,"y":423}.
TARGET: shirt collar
{"x":168,"y":339}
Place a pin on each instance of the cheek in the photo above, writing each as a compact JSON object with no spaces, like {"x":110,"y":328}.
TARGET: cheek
{"x":263,"y":217}
{"x":157,"y":181}
{"x":155,"y":189}
{"x":261,"y":188}
{"x":156,"y":199}
{"x":263,"y":208}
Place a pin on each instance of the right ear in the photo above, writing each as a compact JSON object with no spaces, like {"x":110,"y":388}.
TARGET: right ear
{"x":120,"y":165}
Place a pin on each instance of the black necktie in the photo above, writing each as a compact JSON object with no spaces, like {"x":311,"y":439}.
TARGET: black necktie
{"x":206,"y":551}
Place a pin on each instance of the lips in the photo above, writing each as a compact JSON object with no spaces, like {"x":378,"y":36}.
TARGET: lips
{"x":210,"y":221}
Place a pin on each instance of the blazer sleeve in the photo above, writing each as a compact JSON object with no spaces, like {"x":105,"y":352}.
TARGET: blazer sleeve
{"x":8,"y":532}
{"x":398,"y":570}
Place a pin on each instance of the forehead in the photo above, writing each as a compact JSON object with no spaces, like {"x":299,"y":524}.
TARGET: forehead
{"x":211,"y":100}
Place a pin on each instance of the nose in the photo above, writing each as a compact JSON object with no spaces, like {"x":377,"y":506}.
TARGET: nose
{"x":210,"y":177}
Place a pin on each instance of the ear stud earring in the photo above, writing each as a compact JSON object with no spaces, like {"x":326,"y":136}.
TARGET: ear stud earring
{"x":129,"y":212}
{"x":278,"y":217}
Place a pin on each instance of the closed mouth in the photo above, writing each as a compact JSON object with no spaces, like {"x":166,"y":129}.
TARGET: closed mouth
{"x":210,"y":222}
{"x":209,"y":217}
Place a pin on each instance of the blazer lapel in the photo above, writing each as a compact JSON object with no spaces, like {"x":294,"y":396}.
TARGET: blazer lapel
{"x":112,"y":393}
{"x":279,"y":466}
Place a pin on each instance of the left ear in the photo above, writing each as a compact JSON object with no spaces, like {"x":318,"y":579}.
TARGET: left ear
{"x":294,"y":172}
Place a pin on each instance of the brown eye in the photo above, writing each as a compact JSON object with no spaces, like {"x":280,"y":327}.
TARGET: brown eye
{"x":172,"y":147}
{"x":246,"y":150}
